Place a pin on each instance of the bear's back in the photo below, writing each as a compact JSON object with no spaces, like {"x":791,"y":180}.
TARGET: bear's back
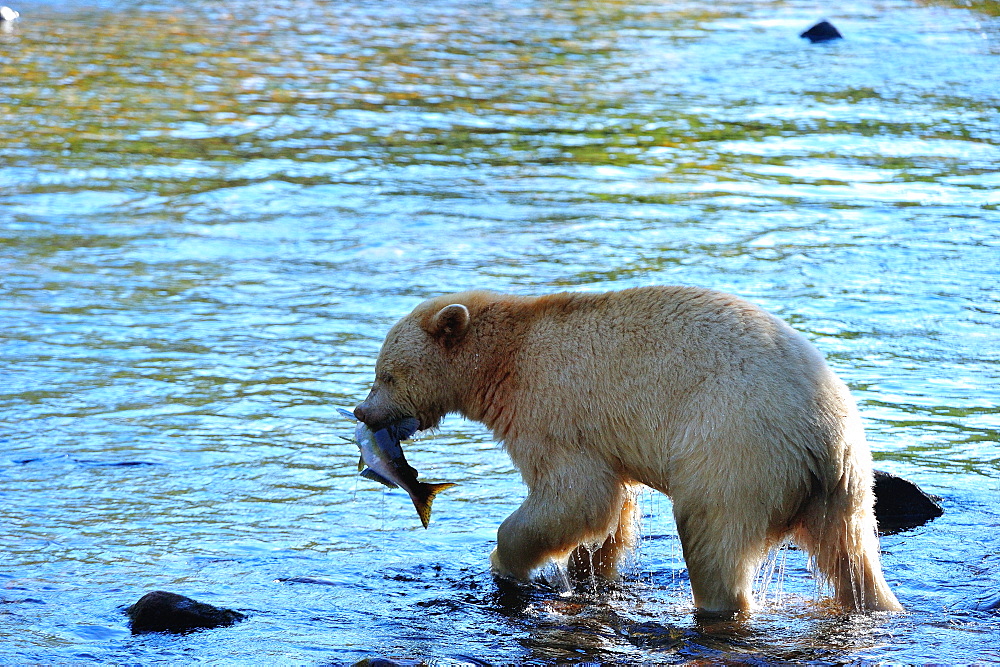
{"x":701,"y":372}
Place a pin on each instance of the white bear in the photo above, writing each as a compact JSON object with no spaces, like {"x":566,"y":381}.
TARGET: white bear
{"x":693,"y":392}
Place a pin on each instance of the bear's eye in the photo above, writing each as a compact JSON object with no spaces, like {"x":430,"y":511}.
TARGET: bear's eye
{"x":386,"y":378}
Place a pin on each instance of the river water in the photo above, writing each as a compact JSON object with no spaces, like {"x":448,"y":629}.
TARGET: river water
{"x":211,"y":213}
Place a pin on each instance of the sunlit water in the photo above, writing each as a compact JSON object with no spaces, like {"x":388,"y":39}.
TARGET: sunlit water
{"x":212,"y":213}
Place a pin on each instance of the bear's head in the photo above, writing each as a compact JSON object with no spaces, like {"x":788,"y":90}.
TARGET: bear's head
{"x":419,"y":372}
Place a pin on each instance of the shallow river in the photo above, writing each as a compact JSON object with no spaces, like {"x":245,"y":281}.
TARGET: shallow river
{"x":211,"y":213}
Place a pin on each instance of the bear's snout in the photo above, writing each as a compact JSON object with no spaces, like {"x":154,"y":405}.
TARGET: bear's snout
{"x":373,"y":416}
{"x":376,"y":417}
{"x":361,"y":413}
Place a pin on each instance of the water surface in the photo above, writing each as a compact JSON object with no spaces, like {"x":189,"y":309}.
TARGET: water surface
{"x":210,"y":214}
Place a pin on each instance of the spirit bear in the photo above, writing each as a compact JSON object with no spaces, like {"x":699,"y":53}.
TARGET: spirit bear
{"x":693,"y":392}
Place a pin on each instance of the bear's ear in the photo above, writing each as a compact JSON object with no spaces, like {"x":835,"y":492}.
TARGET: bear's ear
{"x":450,"y":323}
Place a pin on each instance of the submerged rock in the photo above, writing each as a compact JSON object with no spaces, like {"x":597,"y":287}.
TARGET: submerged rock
{"x":161,"y":611}
{"x":900,"y":504}
{"x":382,"y":662}
{"x":987,"y":603}
{"x":824,"y":31}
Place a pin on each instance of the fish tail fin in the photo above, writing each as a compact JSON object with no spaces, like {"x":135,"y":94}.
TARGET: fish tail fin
{"x":423,"y":498}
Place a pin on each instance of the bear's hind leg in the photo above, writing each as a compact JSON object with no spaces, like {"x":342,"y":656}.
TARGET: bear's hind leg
{"x":722,"y":558}
{"x":602,"y":561}
{"x":839,"y":533}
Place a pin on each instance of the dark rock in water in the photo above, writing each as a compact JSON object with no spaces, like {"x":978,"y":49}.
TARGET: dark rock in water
{"x":380,"y":662}
{"x":161,"y":611}
{"x":900,"y":505}
{"x":824,"y":31}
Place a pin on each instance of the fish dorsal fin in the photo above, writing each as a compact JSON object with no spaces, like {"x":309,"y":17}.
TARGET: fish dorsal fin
{"x":361,"y":463}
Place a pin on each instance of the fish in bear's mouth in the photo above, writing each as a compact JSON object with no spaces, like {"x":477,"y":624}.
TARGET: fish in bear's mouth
{"x":392,"y":422}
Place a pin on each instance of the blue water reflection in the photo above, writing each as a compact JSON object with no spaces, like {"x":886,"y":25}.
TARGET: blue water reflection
{"x":210,"y":216}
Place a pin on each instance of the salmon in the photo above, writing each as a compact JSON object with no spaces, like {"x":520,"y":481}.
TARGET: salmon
{"x":382,"y":461}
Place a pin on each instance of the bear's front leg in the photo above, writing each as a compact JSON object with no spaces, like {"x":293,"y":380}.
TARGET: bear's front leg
{"x":577,"y":505}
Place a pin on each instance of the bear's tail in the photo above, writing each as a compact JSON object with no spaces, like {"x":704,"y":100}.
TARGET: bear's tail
{"x":839,"y":533}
